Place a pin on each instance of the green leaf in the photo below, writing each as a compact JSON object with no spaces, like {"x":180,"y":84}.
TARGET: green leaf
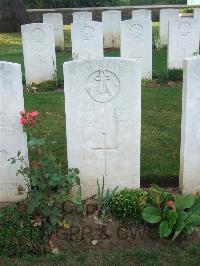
{"x":152,"y":215}
{"x":172,"y":217}
{"x":185,"y":202}
{"x":165,"y":229}
{"x":193,"y":219}
{"x":196,"y":207}
{"x":176,"y":234}
{"x":180,"y":223}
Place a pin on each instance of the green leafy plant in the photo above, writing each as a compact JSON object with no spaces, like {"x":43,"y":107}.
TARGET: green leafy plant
{"x":127,"y":205}
{"x":168,"y":75}
{"x":104,"y":200}
{"x":175,"y":217}
{"x":48,"y":187}
{"x":18,"y":235}
{"x":158,"y":197}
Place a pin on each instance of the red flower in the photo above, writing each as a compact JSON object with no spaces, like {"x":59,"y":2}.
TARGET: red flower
{"x":28,"y":118}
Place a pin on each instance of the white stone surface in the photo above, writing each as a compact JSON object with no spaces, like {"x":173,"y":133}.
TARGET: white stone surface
{"x":193,"y":2}
{"x":197,"y":16}
{"x":165,"y":16}
{"x":103,"y":118}
{"x":56,"y":19}
{"x":12,"y":138}
{"x":39,"y":52}
{"x":136,"y":43}
{"x":190,"y":128}
{"x":111,"y":28}
{"x":141,"y":14}
{"x":87,"y":40}
{"x":82,"y":16}
{"x":183,"y":41}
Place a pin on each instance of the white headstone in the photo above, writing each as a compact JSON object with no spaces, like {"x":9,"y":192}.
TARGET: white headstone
{"x":136,"y":43}
{"x":12,"y":138}
{"x":82,"y":16}
{"x":56,"y":19}
{"x":190,"y":128}
{"x":103,"y":116}
{"x":111,"y":28}
{"x":165,"y":16}
{"x":141,"y":14}
{"x":183,"y":41}
{"x":87,"y":40}
{"x":193,"y":2}
{"x":197,"y":16}
{"x":39,"y":52}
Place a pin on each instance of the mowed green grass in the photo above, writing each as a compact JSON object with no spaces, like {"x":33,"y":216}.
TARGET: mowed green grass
{"x":170,"y":255}
{"x":161,"y":113}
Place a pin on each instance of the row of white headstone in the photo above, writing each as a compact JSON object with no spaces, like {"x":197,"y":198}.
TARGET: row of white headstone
{"x":103,"y":118}
{"x":87,"y":40}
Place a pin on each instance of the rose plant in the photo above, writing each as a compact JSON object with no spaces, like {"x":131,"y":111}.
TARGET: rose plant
{"x":48,"y":187}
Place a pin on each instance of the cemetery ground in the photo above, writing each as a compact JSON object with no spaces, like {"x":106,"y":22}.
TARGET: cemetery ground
{"x":161,"y":121}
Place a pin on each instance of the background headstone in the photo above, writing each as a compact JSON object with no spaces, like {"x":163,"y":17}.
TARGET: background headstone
{"x":82,"y":16}
{"x":190,"y":128}
{"x":193,"y":2}
{"x":141,"y":14}
{"x":87,"y":40}
{"x":165,"y":16}
{"x":56,"y":19}
{"x":111,"y":28}
{"x":183,"y":41}
{"x":39,"y":52}
{"x":12,"y":138}
{"x":136,"y":43}
{"x":103,"y":118}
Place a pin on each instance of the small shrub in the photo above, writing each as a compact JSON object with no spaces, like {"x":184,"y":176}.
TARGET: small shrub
{"x":175,"y":217}
{"x":168,"y":75}
{"x":18,"y":237}
{"x":128,"y":204}
{"x":175,"y":74}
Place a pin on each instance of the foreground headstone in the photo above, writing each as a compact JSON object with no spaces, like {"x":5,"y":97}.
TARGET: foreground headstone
{"x":165,"y":16}
{"x":197,"y":13}
{"x":111,"y":28}
{"x":141,"y":14}
{"x":87,"y":40}
{"x":136,"y":43}
{"x":103,"y":116}
{"x":39,"y":52}
{"x":190,"y":128}
{"x":183,"y":41}
{"x":56,"y":19}
{"x":82,"y":16}
{"x":12,"y":138}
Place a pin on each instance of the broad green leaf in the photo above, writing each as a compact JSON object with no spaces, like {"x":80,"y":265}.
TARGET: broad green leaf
{"x":180,"y":223}
{"x":165,"y":229}
{"x":172,"y":217}
{"x":193,"y":219}
{"x":185,"y":202}
{"x":196,"y":207}
{"x":152,"y":215}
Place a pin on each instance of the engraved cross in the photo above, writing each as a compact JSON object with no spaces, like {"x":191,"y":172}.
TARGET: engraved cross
{"x":103,"y":86}
{"x":105,"y":149}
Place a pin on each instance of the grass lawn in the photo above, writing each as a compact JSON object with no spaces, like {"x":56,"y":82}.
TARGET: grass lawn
{"x":171,"y":255}
{"x":161,"y":111}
